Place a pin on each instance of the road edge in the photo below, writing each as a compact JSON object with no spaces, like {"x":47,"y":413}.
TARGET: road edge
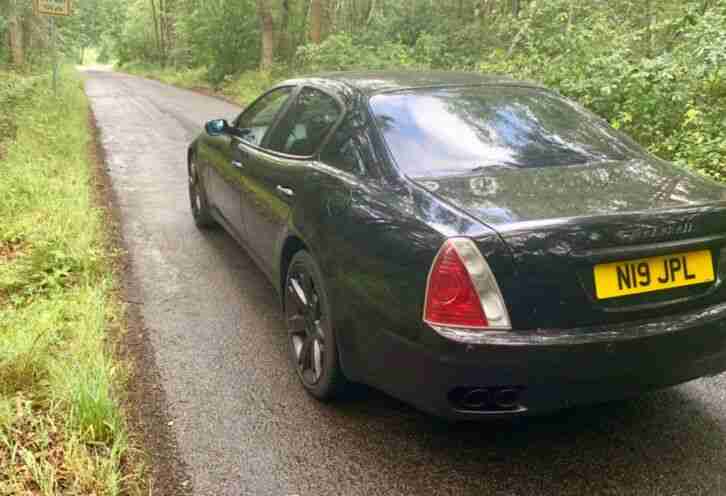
{"x":143,"y":399}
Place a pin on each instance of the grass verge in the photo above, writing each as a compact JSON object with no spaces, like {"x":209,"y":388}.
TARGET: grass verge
{"x":13,"y":90}
{"x":62,"y":430}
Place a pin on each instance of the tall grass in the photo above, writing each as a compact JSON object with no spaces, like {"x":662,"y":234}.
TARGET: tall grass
{"x":61,"y":427}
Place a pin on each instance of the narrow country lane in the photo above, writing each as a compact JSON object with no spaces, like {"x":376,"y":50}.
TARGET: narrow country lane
{"x":244,"y":426}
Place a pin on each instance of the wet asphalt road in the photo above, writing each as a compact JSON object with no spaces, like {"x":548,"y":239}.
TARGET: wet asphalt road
{"x":243,"y":425}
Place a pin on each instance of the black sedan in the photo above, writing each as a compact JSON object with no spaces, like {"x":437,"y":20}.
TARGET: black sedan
{"x":475,"y":246}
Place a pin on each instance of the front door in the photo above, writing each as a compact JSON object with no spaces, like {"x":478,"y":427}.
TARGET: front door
{"x":227,"y":172}
{"x":222,"y":181}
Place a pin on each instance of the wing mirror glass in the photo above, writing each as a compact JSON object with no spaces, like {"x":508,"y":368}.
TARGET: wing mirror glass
{"x":216,"y":127}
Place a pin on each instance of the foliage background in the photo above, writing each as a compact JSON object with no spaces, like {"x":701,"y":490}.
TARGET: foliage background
{"x":654,"y":69}
{"x":657,"y":70}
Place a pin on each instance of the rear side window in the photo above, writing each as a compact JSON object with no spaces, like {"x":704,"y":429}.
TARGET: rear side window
{"x":306,"y":124}
{"x":438,"y":132}
{"x":350,"y":149}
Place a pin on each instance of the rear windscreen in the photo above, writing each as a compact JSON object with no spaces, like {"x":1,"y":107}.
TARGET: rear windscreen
{"x":437,"y":132}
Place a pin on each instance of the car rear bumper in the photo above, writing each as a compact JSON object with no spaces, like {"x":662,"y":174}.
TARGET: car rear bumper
{"x":550,"y":374}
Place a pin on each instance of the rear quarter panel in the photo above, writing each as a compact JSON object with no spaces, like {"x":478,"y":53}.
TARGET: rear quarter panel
{"x":375,"y":245}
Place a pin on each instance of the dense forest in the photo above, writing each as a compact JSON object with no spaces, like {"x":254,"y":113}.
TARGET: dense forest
{"x":655,"y":69}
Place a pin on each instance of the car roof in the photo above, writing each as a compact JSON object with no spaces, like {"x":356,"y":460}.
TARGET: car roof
{"x":374,"y":82}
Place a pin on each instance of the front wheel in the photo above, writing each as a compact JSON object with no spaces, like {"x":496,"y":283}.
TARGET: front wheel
{"x":313,"y":349}
{"x":198,"y":198}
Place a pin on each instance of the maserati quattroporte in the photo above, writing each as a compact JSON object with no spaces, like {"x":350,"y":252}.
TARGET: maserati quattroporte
{"x":475,"y":246}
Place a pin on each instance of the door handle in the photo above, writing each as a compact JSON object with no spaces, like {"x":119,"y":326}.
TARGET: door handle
{"x":285,"y":191}
{"x":238,"y":165}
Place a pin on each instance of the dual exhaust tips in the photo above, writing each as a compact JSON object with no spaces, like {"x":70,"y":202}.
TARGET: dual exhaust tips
{"x":487,"y":400}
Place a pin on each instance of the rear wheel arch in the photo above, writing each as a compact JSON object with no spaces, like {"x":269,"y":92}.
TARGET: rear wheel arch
{"x":322,"y":332}
{"x":291,"y":246}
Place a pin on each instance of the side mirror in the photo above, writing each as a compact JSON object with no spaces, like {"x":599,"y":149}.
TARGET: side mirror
{"x":216,"y":127}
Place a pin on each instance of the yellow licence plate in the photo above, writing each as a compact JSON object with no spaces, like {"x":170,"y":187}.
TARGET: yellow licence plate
{"x":631,"y":277}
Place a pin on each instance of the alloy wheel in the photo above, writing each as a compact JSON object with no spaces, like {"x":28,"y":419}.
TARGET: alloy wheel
{"x":305,"y":316}
{"x":194,"y":195}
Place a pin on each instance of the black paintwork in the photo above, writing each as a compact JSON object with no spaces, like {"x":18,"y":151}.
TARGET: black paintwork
{"x":375,"y":234}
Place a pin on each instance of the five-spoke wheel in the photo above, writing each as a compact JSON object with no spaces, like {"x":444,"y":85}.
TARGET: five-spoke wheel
{"x":313,"y":350}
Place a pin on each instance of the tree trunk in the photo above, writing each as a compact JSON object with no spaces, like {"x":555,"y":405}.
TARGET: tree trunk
{"x":327,"y":20}
{"x":15,"y":38}
{"x":268,"y":34}
{"x":649,"y":23}
{"x":283,"y":34}
{"x":156,"y":27}
{"x":353,"y":20}
{"x":316,"y":21}
{"x":162,"y":32}
{"x":171,"y":9}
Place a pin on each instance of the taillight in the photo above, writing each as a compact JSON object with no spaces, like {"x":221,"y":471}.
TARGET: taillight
{"x":451,"y":299}
{"x":462,"y":292}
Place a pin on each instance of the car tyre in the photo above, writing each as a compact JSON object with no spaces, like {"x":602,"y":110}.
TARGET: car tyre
{"x":198,"y":198}
{"x":311,"y":338}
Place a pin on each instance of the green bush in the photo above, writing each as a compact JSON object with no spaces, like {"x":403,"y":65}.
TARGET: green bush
{"x":14,"y":92}
{"x":342,"y":51}
{"x":657,"y":72}
{"x":671,"y":102}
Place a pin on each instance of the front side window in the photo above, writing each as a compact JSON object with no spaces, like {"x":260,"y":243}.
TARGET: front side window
{"x":254,"y":122}
{"x":450,"y":131}
{"x":306,"y":124}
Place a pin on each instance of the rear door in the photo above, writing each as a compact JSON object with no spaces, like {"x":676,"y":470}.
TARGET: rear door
{"x":274,"y":173}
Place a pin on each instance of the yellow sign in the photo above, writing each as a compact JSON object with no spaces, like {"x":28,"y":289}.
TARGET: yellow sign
{"x":653,"y":274}
{"x":53,"y":7}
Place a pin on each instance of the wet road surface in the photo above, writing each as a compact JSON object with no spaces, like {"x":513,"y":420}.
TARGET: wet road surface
{"x":244,"y":426}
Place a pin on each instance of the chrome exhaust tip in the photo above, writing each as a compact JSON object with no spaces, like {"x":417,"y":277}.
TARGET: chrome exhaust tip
{"x":487,"y":400}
